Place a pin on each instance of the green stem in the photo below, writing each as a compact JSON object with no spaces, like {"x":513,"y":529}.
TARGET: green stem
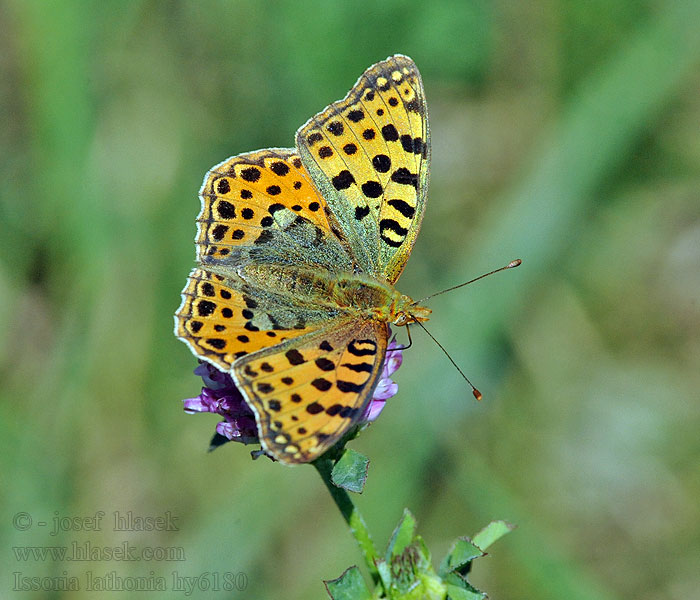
{"x":352,"y":516}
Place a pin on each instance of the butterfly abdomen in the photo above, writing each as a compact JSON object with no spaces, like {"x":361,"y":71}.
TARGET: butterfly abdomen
{"x":365,"y":297}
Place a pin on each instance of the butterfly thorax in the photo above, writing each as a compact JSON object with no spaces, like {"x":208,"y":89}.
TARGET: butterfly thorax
{"x":373,"y":299}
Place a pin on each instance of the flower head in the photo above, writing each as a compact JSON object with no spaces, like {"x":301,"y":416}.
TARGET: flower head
{"x":386,"y":388}
{"x":221,"y":396}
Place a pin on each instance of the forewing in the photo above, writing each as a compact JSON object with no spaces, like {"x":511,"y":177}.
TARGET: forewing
{"x":369,"y":156}
{"x":308,"y":392}
{"x":221,"y":318}
{"x":261,"y":207}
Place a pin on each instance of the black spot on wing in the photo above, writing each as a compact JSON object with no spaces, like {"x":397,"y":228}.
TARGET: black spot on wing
{"x":349,"y":386}
{"x":372,"y":189}
{"x":219,"y":232}
{"x":403,"y":176}
{"x":322,"y":384}
{"x":294,"y":357}
{"x":390,"y":225}
{"x":314,"y":408}
{"x":412,"y":145}
{"x":381,"y":163}
{"x":359,"y":367}
{"x":348,"y":412}
{"x":279,"y":168}
{"x":205,"y":308}
{"x":389,"y":133}
{"x":361,"y":212}
{"x":335,"y":127}
{"x":343,"y":180}
{"x":355,"y":347}
{"x":402,"y":207}
{"x":251,"y":174}
{"x":226,"y":210}
{"x":414,"y":106}
{"x":324,"y":364}
{"x":223,"y":186}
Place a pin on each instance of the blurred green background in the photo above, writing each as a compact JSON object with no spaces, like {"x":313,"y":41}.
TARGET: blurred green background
{"x":564,"y":133}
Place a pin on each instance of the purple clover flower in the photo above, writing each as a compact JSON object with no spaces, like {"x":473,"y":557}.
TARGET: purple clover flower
{"x":386,"y":388}
{"x":221,"y":396}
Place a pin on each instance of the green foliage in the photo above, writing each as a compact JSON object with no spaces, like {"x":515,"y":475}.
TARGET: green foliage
{"x":349,"y":586}
{"x":462,"y":553}
{"x":493,"y":532}
{"x":564,"y":134}
{"x":350,"y":471}
{"x":406,"y":571}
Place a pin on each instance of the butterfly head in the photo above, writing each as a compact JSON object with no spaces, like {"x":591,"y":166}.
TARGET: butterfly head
{"x":408,"y":312}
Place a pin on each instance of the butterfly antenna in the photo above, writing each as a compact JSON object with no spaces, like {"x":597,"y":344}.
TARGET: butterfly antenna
{"x":477,"y":393}
{"x":512,"y":264}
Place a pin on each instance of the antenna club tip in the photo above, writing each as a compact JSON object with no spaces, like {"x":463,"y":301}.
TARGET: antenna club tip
{"x":514,"y":263}
{"x":477,"y":394}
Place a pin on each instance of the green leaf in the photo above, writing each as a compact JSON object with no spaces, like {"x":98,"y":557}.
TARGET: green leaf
{"x":350,"y":472}
{"x":426,"y":587}
{"x":492,"y":532}
{"x":463,"y":551}
{"x":384,"y":571}
{"x":456,"y":581}
{"x":349,"y":586}
{"x":425,"y":560}
{"x":458,"y":593}
{"x":403,"y":535}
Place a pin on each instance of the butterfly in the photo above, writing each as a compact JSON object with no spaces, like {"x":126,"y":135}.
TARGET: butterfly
{"x":298,"y":251}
